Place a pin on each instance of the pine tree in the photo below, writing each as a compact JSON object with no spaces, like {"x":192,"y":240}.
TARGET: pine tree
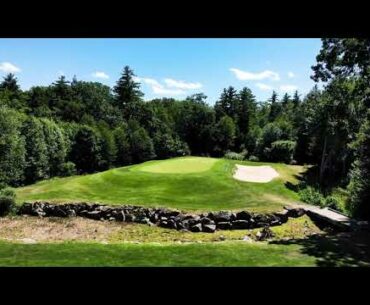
{"x":296,"y":99}
{"x":227,"y":104}
{"x":275,"y":107}
{"x":128,"y":95}
{"x":10,"y":83}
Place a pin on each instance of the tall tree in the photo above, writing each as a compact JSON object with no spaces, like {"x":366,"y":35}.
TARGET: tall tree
{"x":275,"y":107}
{"x":128,"y":94}
{"x":227,"y":104}
{"x":10,"y":83}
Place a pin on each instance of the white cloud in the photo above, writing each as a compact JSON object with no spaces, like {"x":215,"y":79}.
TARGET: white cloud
{"x":291,"y":74}
{"x":172,"y":83}
{"x":288,"y":88}
{"x":61,"y":73}
{"x":245,"y":75}
{"x":100,"y":74}
{"x":264,"y":87}
{"x":158,"y":88}
{"x":8,"y":67}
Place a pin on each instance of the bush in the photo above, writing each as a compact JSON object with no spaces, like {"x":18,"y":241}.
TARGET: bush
{"x":68,"y":169}
{"x":234,"y":156}
{"x":7,"y":201}
{"x":312,"y":196}
{"x":282,"y":151}
{"x":253,"y":159}
{"x":332,"y":202}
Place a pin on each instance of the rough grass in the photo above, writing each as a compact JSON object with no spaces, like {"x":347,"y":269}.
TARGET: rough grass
{"x":51,"y":230}
{"x":211,"y":189}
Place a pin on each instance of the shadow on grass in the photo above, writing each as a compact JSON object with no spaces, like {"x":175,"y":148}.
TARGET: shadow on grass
{"x":344,"y":249}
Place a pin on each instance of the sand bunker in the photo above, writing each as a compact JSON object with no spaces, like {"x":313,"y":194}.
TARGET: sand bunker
{"x":260,"y":174}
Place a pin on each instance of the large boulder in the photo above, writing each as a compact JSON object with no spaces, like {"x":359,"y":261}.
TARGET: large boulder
{"x":240,"y":224}
{"x":196,"y":227}
{"x":294,"y":212}
{"x":224,"y":226}
{"x":223,"y":216}
{"x":243,"y":215}
{"x":209,"y":228}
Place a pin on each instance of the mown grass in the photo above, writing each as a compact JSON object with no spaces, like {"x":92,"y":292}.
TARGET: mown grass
{"x":213,"y":188}
{"x":148,"y":254}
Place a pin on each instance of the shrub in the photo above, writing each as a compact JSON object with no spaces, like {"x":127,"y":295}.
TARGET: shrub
{"x":312,"y":196}
{"x":282,"y":151}
{"x":234,"y":156}
{"x":7,"y":201}
{"x":332,"y":202}
{"x":68,"y":169}
{"x":253,"y":159}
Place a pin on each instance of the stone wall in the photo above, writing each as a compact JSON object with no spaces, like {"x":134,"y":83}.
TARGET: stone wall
{"x":166,"y":218}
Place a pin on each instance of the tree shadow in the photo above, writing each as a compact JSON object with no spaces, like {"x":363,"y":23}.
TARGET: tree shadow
{"x":343,"y":249}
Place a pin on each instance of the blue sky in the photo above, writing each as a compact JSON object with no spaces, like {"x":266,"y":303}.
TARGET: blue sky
{"x":167,"y":67}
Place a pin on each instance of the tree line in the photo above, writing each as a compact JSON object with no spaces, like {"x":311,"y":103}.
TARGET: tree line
{"x":76,"y":127}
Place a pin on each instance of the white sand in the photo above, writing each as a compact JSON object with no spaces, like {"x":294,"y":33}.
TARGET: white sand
{"x":260,"y":174}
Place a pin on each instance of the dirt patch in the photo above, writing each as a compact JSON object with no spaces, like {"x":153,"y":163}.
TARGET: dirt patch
{"x":260,"y":174}
{"x":35,"y":230}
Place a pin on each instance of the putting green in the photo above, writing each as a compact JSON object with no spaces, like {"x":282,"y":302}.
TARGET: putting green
{"x":179,"y":166}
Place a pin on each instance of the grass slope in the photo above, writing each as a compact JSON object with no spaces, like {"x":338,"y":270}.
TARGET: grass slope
{"x":188,"y":183}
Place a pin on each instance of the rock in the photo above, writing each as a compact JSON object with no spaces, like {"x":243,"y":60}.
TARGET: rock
{"x":180,"y":225}
{"x":209,"y":228}
{"x":294,"y":212}
{"x":243,"y":215}
{"x":169,"y":224}
{"x":266,"y":233}
{"x":130,"y":217}
{"x":205,"y":221}
{"x":94,"y":215}
{"x":247,"y":239}
{"x":240,"y":224}
{"x":58,"y":212}
{"x":224,"y":226}
{"x":283,"y":216}
{"x":223,"y":216}
{"x":196,"y":228}
{"x":71,"y":213}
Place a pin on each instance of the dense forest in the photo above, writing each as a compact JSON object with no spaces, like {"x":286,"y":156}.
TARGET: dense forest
{"x":75,"y":127}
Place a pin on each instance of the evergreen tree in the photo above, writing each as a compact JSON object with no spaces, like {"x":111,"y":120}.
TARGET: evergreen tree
{"x":127,"y":94}
{"x":275,"y":107}
{"x":10,"y":83}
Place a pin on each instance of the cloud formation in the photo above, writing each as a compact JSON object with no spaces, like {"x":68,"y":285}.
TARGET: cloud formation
{"x":291,"y":74}
{"x":245,"y":75}
{"x":172,"y":83}
{"x":158,"y":88}
{"x":171,"y":87}
{"x":100,"y":74}
{"x":8,"y":67}
{"x":264,"y":87}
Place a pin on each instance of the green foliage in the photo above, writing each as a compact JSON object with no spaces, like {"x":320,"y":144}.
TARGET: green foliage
{"x":37,"y":154}
{"x":235,"y":156}
{"x":359,"y":185}
{"x":224,"y":134}
{"x":311,"y":196}
{"x":7,"y":201}
{"x":142,"y":148}
{"x":282,"y":151}
{"x":253,"y":158}
{"x":86,"y":150}
{"x":67,"y":169}
{"x":12,"y":147}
